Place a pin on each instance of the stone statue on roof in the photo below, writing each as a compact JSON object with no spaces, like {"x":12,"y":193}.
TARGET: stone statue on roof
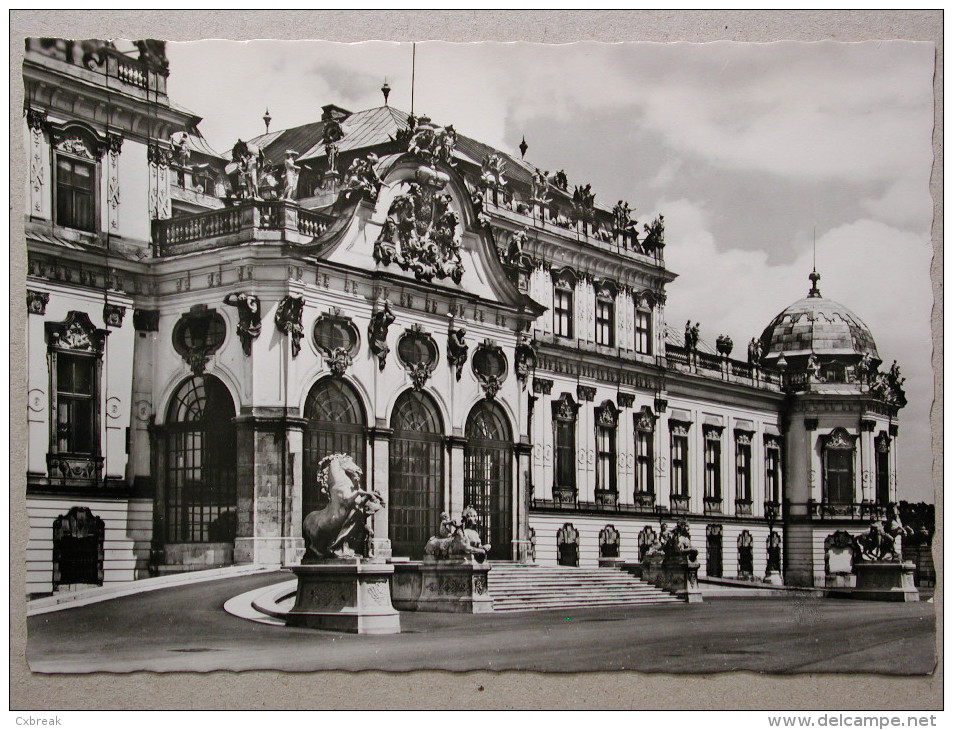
{"x":540,"y":186}
{"x":290,"y":188}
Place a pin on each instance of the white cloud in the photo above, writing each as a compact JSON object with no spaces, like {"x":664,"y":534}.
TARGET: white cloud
{"x":878,"y":272}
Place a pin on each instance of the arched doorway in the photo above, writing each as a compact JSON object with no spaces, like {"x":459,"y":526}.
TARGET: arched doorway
{"x":201,"y":462}
{"x":488,"y":475}
{"x":415,"y":473}
{"x":336,"y":424}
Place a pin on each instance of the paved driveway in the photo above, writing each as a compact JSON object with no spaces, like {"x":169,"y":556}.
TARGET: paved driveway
{"x":185,"y":628}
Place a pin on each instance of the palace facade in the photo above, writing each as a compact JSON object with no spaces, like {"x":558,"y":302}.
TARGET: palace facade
{"x":203,"y":328}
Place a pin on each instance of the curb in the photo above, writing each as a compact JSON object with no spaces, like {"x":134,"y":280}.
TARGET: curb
{"x":106,"y":593}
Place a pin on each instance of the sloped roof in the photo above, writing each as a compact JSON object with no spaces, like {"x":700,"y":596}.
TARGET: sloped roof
{"x":300,"y":139}
{"x":363,"y":129}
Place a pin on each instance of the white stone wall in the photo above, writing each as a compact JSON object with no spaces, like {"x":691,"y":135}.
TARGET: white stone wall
{"x":126,"y":544}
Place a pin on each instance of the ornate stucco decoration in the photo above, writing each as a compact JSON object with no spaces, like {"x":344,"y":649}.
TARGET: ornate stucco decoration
{"x":288,"y":320}
{"x":361,"y":179}
{"x":586,"y":392}
{"x":339,"y":360}
{"x":539,"y":190}
{"x":839,"y":439}
{"x":583,"y":203}
{"x":377,"y":328}
{"x":626,"y":400}
{"x":36,"y":301}
{"x":76,"y":332}
{"x":418,"y":354}
{"x":36,"y":121}
{"x":197,"y":335}
{"x":888,"y":386}
{"x":544,"y":386}
{"x":249,"y":318}
{"x":74,"y":143}
{"x":430,"y":142}
{"x":526,"y":360}
{"x":514,"y":249}
{"x":565,"y":408}
{"x":457,"y":348}
{"x":622,"y":221}
{"x":113,"y":315}
{"x":491,"y":172}
{"x":421,"y":231}
{"x":160,"y":199}
{"x":113,"y":148}
{"x":654,"y":235}
{"x":490,"y":368}
{"x":607,"y":414}
{"x":645,"y":420}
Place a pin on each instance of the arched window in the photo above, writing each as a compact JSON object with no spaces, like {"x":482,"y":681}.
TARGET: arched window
{"x":567,"y":545}
{"x":839,"y":468}
{"x":416,"y":473}
{"x":645,"y":458}
{"x":336,"y":424}
{"x":773,"y":545}
{"x":201,"y":450}
{"x":78,"y":548}
{"x":646,"y":540}
{"x":609,"y":542}
{"x":713,"y":566}
{"x":487,"y":476}
{"x":745,"y":556}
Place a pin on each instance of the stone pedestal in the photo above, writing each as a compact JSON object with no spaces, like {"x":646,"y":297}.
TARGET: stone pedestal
{"x":345,"y":595}
{"x":774,"y":578}
{"x":677,"y":574}
{"x":454,"y":587}
{"x":405,"y":585}
{"x":885,"y":581}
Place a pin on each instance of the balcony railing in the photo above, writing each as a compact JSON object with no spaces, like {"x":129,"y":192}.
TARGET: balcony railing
{"x":845,"y":510}
{"x":170,"y":235}
{"x":704,"y":363}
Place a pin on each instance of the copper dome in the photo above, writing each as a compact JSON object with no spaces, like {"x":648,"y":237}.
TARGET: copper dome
{"x":817,"y":325}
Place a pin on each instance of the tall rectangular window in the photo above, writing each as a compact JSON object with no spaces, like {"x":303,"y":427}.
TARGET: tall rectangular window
{"x":605,"y":322}
{"x":566,"y":453}
{"x":562,"y":312}
{"x":713,"y":465}
{"x":772,"y":471}
{"x":75,"y":194}
{"x":75,"y":404}
{"x":643,"y":332}
{"x":883,"y":468}
{"x":606,"y":462}
{"x":645,"y":458}
{"x":679,"y":449}
{"x":743,"y":467}
{"x":839,"y":468}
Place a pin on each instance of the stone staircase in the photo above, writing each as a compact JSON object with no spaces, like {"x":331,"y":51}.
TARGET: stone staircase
{"x":520,"y":587}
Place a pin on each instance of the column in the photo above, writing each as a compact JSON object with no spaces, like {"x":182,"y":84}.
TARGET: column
{"x":453,"y":487}
{"x":894,"y":431}
{"x":378,"y":479}
{"x":661,"y":453}
{"x":867,"y":465}
{"x":522,"y":454}
{"x":265,"y":489}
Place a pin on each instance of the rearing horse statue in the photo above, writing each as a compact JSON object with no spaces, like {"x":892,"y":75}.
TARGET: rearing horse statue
{"x":339,"y":530}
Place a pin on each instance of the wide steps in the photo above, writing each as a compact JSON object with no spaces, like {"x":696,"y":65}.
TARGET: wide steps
{"x":517,"y":587}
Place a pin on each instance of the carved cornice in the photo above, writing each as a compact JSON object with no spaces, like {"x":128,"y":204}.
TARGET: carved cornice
{"x":867,"y":425}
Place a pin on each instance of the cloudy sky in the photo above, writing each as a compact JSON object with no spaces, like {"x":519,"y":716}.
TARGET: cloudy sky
{"x":746,"y":149}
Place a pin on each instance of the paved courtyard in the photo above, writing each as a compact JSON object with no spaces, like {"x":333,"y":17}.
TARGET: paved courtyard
{"x":186,"y":628}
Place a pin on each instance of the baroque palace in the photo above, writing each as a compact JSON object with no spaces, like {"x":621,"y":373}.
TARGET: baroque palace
{"x":203,"y":328}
